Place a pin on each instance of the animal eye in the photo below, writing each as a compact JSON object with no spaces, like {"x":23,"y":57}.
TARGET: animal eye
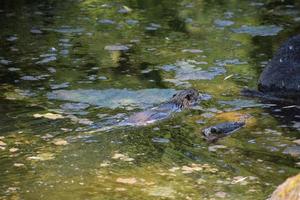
{"x":188,"y":97}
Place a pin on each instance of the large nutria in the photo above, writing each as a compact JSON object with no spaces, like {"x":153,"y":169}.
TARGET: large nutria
{"x":181,"y":100}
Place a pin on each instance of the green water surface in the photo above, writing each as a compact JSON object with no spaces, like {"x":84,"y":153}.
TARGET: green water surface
{"x":91,"y":63}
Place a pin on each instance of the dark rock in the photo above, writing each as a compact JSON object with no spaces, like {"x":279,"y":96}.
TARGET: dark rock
{"x":281,"y":77}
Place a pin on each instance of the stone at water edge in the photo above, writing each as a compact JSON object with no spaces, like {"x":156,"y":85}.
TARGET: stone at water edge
{"x":289,"y":190}
{"x":281,"y":76}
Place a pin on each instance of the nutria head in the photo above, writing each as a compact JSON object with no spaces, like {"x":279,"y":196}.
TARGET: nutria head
{"x":185,"y":98}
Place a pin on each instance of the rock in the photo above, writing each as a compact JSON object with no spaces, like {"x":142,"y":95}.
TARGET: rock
{"x":289,"y":190}
{"x":281,"y":76}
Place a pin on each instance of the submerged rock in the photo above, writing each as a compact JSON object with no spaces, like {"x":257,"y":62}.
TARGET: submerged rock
{"x":289,"y":190}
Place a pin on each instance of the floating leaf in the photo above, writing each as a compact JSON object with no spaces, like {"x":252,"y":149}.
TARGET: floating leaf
{"x":60,"y":142}
{"x":127,"y":180}
{"x":13,"y":150}
{"x":49,"y":116}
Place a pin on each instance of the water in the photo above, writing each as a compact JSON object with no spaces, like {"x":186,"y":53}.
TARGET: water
{"x":70,"y":67}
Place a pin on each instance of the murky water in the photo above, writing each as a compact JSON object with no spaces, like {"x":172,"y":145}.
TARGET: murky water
{"x":71,"y":68}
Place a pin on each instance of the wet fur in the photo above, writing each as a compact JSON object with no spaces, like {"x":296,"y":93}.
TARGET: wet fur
{"x":181,"y":100}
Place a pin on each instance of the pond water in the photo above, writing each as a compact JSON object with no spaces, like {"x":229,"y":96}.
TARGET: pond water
{"x":70,"y":70}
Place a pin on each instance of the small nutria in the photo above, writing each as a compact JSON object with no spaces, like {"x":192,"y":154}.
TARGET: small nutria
{"x":181,"y":100}
{"x":213,"y":133}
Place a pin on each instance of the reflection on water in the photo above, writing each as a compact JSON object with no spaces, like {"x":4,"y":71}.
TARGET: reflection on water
{"x":115,"y":98}
{"x":68,"y":66}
